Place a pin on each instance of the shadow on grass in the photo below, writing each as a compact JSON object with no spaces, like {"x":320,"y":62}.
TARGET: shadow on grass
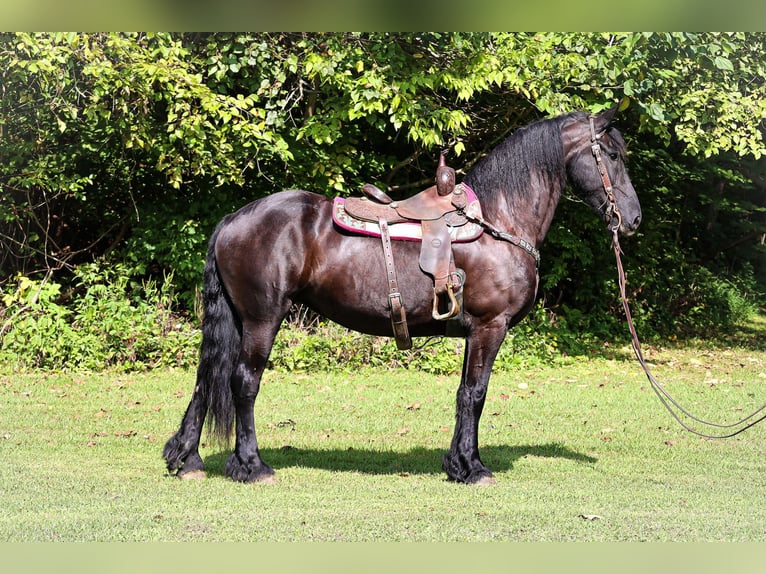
{"x":414,"y":461}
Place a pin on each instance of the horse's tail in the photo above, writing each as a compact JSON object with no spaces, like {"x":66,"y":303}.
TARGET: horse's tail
{"x":221,"y":340}
{"x":212,"y":397}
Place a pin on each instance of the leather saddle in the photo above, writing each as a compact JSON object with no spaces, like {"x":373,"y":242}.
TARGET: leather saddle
{"x":437,"y":216}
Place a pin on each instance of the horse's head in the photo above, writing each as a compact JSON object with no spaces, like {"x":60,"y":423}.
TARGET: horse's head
{"x":594,"y":153}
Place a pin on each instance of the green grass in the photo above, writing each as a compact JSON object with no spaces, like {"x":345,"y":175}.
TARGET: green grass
{"x":581,"y":451}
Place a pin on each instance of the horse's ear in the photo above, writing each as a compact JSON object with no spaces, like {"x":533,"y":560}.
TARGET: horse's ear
{"x":605,"y":118}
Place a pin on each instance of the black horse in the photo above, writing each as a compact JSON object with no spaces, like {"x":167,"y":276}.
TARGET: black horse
{"x":284,"y":249}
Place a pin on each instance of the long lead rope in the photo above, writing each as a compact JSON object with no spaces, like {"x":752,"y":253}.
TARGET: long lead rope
{"x":665,"y":398}
{"x":615,"y":218}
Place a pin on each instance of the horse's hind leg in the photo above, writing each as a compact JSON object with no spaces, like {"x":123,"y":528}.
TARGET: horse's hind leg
{"x":182,"y":450}
{"x":245,"y":463}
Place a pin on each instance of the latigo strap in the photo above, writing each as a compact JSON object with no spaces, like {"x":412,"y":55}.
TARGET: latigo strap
{"x":395,"y":302}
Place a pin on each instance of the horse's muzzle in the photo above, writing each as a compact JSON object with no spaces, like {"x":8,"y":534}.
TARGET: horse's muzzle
{"x":615,"y":221}
{"x":628,"y":228}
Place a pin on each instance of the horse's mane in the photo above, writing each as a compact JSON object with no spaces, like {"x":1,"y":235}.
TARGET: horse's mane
{"x":508,"y":169}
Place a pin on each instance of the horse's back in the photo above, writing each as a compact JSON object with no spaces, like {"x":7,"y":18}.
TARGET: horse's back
{"x":265,"y":222}
{"x":280,"y":207}
{"x":268,"y":243}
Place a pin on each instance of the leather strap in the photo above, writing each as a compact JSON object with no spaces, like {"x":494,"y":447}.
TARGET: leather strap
{"x":395,"y":303}
{"x":665,"y":398}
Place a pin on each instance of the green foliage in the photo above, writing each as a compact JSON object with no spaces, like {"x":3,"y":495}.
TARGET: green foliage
{"x":99,"y":129}
{"x":133,"y":146}
{"x":109,"y":322}
{"x":112,"y":322}
{"x":716,"y":302}
{"x":307,"y":343}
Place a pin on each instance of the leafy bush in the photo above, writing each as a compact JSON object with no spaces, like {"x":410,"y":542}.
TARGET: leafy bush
{"x":105,"y":320}
{"x":35,"y":326}
{"x":308,"y":343}
{"x":713,"y":302}
{"x":108,"y":322}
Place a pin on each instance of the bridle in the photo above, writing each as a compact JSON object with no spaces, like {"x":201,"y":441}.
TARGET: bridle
{"x":611,"y":210}
{"x":666,"y":399}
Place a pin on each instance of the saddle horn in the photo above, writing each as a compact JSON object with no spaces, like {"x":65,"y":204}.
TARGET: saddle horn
{"x":445,"y":176}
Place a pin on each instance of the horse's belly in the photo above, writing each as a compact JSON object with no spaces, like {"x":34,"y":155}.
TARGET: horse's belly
{"x":349,"y":285}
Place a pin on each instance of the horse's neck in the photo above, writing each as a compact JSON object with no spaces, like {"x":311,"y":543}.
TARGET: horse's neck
{"x":528,"y":216}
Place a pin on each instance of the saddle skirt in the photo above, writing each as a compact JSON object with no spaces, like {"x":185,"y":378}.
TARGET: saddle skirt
{"x":360,"y":216}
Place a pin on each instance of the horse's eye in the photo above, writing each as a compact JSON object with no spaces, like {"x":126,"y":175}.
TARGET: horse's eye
{"x":613,"y":156}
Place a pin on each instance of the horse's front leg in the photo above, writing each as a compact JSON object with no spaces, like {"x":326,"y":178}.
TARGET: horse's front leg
{"x":462,"y":462}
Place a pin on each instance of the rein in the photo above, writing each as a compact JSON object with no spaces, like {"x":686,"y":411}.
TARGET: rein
{"x":666,"y":399}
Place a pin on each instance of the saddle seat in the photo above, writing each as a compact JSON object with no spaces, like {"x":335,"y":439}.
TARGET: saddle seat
{"x":427,"y":205}
{"x":436,"y":217}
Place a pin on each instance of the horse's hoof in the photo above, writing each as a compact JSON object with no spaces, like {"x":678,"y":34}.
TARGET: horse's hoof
{"x":266,"y":479}
{"x":198,"y":474}
{"x":485,"y":481}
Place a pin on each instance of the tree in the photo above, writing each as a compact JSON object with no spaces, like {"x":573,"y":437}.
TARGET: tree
{"x":132,"y":146}
{"x":95,"y":126}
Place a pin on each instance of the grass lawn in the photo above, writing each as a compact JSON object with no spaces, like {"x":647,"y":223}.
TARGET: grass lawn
{"x":582,"y":451}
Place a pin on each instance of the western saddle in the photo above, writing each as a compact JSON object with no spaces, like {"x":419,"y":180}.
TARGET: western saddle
{"x":437,"y":216}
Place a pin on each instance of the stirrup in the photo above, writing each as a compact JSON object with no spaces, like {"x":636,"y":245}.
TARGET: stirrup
{"x":453,"y":308}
